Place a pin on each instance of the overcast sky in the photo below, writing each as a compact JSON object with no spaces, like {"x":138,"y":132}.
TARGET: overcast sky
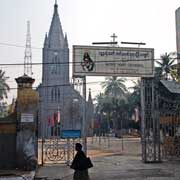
{"x":84,"y":21}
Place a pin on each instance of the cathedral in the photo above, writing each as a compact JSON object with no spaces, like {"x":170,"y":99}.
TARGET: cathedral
{"x":60,"y":106}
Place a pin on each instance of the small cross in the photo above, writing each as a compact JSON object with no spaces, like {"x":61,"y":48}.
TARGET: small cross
{"x":114,"y":37}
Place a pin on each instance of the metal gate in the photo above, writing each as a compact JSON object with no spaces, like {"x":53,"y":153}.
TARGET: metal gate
{"x":169,"y":109}
{"x":160,"y":123}
{"x":150,"y":122}
{"x":56,"y":150}
{"x":153,"y":109}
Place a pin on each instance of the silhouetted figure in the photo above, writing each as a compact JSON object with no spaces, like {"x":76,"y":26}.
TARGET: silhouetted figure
{"x":80,"y":173}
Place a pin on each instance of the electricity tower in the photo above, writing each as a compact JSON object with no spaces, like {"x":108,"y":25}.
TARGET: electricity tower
{"x":28,"y":53}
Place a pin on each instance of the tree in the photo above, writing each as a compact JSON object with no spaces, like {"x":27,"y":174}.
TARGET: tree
{"x":165,"y":66}
{"x":175,"y":74}
{"x":135,"y":96}
{"x":134,"y":101}
{"x":114,"y":86}
{"x":3,"y":109}
{"x":4,"y":88}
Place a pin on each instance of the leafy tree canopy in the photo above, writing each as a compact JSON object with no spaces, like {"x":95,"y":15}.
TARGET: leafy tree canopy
{"x":4,"y":88}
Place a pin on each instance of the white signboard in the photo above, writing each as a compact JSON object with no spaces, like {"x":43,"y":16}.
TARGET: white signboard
{"x":25,"y":117}
{"x":113,"y":61}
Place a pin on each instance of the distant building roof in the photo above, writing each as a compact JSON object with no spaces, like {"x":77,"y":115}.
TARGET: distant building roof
{"x":172,"y":86}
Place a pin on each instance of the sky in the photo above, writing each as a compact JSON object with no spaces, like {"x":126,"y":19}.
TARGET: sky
{"x":84,"y":21}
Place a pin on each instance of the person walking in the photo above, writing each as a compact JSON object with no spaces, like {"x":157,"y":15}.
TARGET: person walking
{"x":78,"y":164}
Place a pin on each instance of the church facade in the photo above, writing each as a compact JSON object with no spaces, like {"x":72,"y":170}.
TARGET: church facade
{"x":60,"y":104}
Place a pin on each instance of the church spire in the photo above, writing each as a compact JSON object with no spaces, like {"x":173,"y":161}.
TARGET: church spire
{"x":56,"y":6}
{"x":90,"y":97}
{"x":55,"y":36}
{"x":46,"y":41}
{"x":65,"y":41}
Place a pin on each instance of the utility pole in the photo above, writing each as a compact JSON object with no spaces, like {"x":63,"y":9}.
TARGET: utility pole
{"x":28,"y":53}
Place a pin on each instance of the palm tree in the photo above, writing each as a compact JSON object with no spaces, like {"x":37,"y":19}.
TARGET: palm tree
{"x":99,"y":98}
{"x":135,"y":96}
{"x":115,"y":91}
{"x":104,"y":108}
{"x":3,"y":109}
{"x":165,"y":65}
{"x":114,"y":86}
{"x":134,"y":101}
{"x":175,"y":73}
{"x":4,"y":88}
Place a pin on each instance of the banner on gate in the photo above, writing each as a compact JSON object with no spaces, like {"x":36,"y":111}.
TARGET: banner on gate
{"x":113,"y":61}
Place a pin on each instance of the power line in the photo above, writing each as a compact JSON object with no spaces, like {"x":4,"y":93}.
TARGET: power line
{"x":22,"y":46}
{"x":41,"y":48}
{"x":18,"y":46}
{"x":59,"y":85}
{"x":78,"y":62}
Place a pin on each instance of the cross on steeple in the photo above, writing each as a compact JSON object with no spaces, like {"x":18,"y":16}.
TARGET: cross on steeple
{"x":114,"y":37}
{"x":55,"y":6}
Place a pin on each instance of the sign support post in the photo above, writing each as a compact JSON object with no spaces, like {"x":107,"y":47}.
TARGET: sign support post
{"x":84,"y":116}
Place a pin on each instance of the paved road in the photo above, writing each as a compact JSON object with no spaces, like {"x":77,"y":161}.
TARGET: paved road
{"x":118,"y":167}
{"x":16,"y":175}
{"x":113,"y":163}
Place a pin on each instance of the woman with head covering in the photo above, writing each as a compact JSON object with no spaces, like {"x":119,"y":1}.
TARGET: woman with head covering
{"x":81,"y":172}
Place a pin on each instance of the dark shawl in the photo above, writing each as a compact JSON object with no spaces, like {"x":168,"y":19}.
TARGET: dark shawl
{"x":78,"y":161}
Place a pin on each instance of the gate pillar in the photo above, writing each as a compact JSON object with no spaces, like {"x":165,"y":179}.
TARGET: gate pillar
{"x":149,"y":122}
{"x":27,"y":108}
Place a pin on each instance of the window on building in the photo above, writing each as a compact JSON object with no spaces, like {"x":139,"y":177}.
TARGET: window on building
{"x":59,"y":95}
{"x":56,"y":94}
{"x":52,"y":94}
